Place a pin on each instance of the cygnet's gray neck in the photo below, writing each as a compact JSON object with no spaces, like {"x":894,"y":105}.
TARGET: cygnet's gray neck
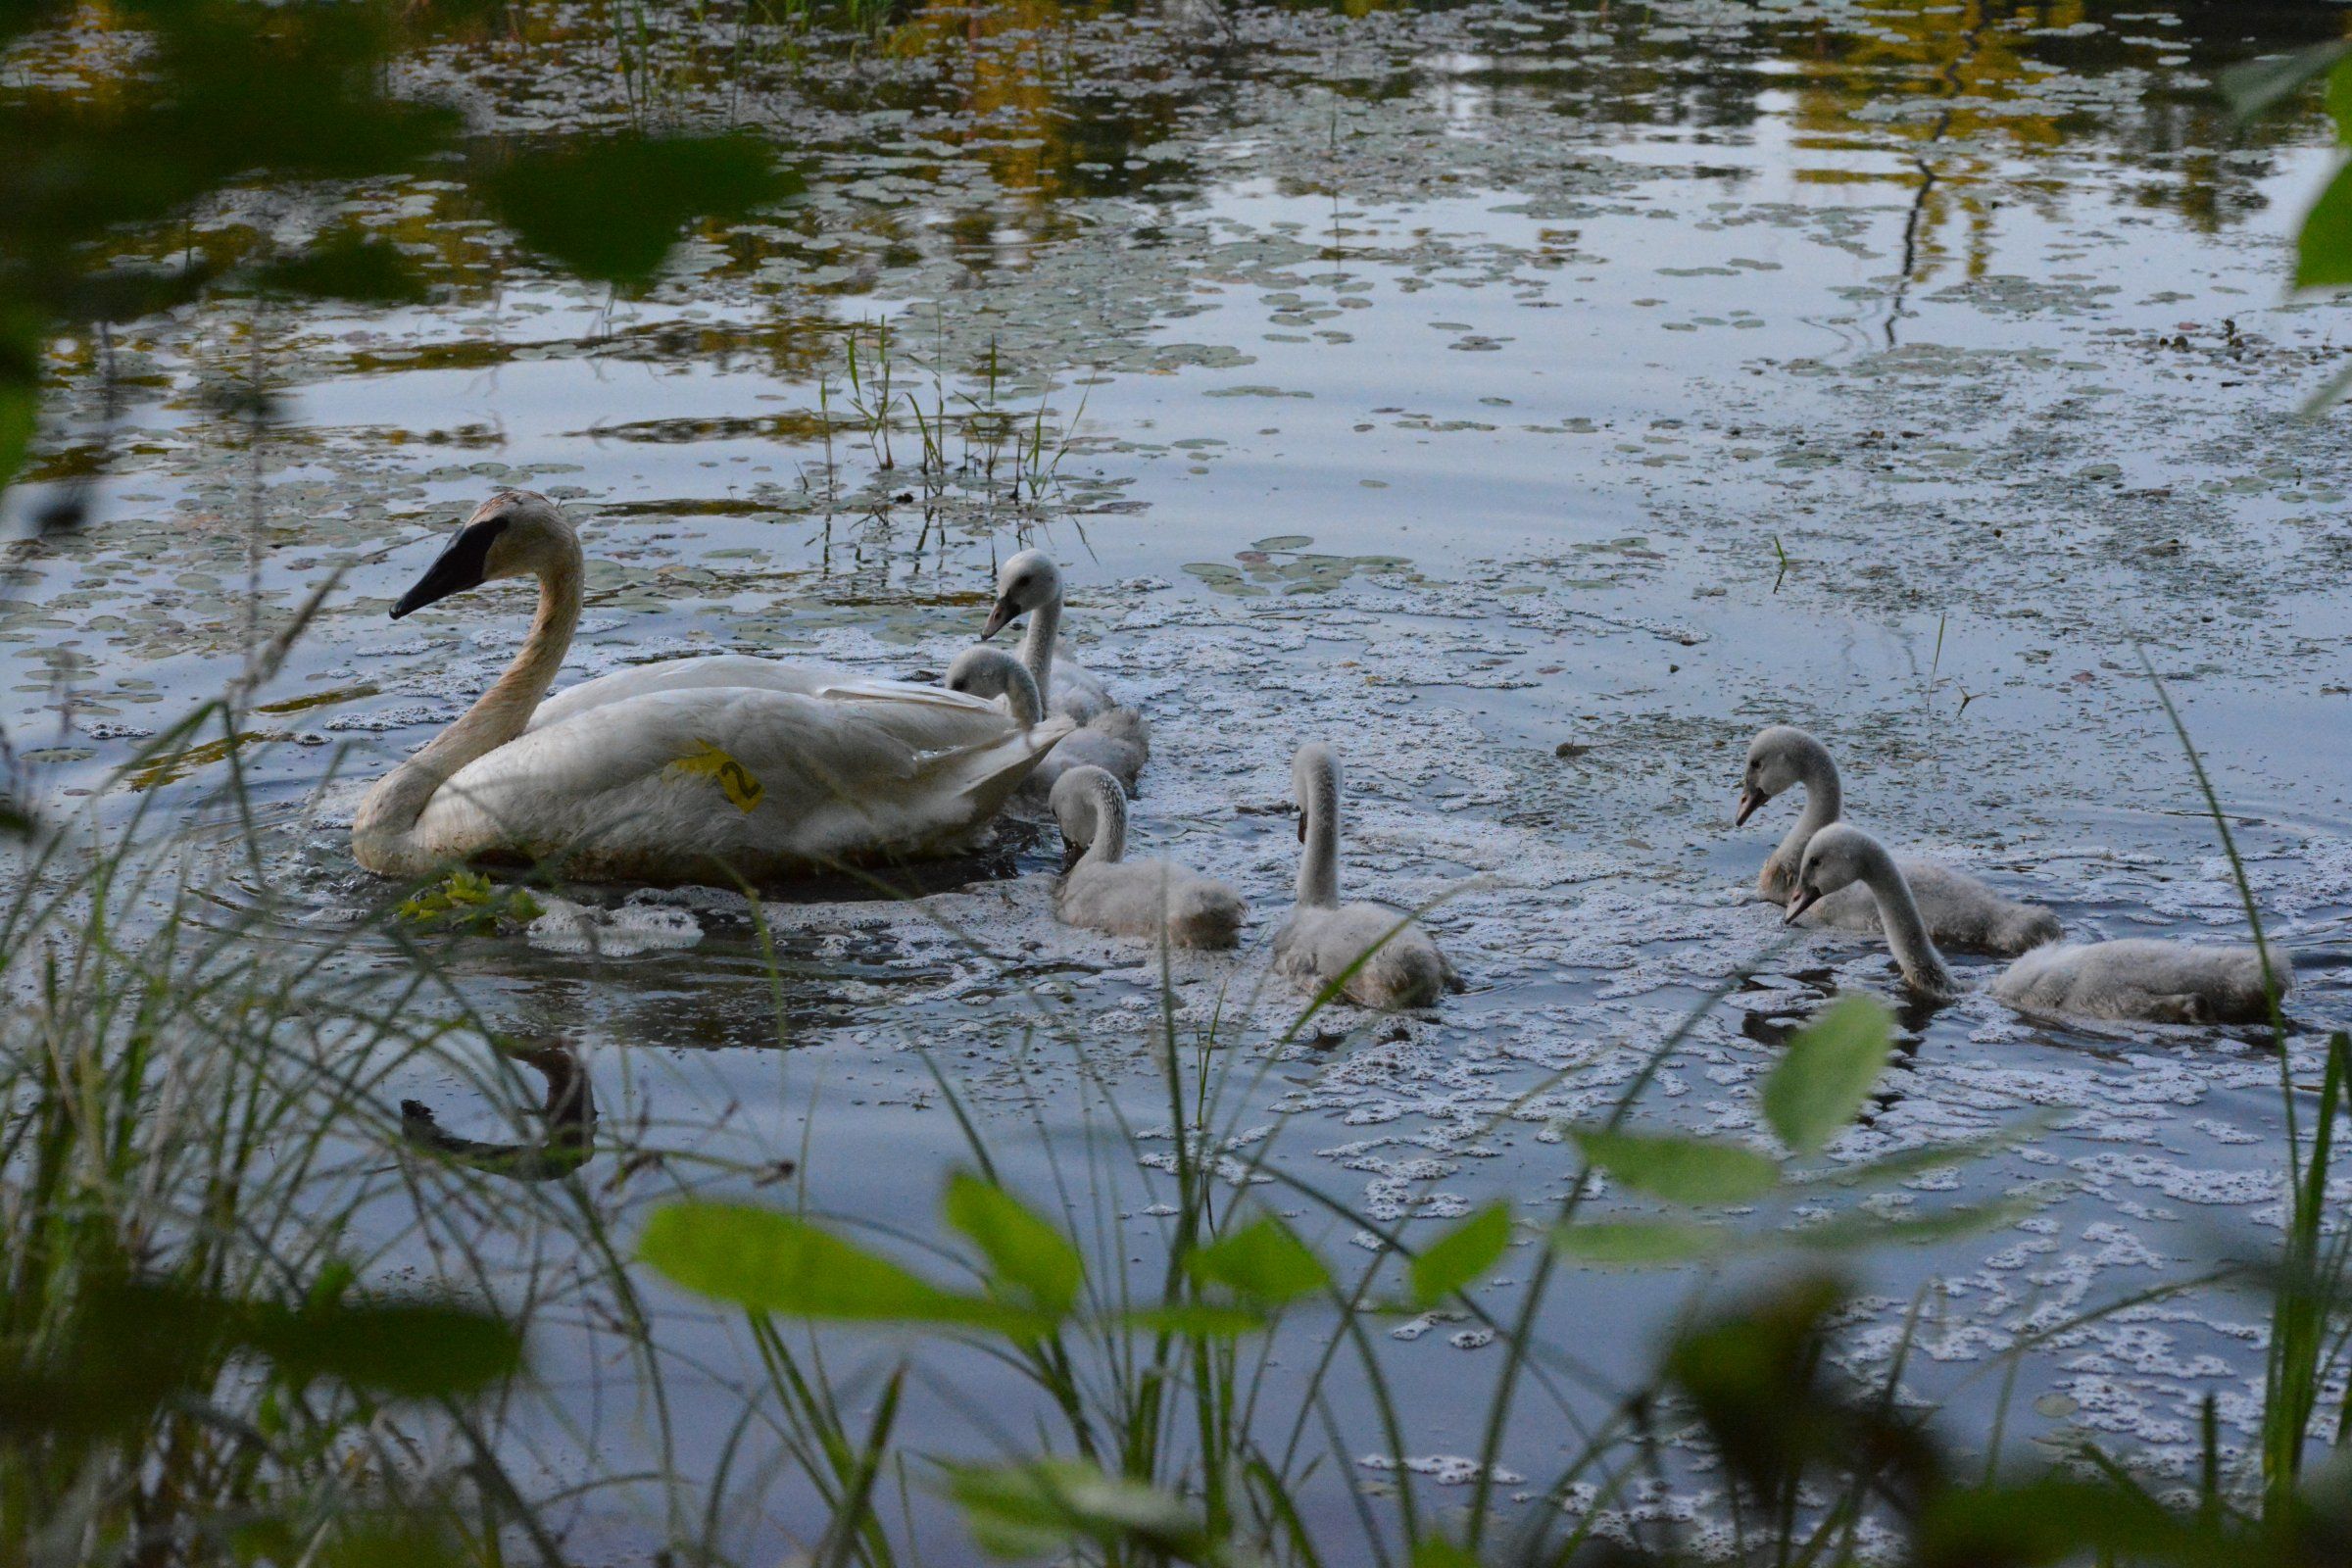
{"x":1319,"y":865}
{"x":1915,"y":951}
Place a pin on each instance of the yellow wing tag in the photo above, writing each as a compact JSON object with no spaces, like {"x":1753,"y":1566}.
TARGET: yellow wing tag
{"x":734,"y":779}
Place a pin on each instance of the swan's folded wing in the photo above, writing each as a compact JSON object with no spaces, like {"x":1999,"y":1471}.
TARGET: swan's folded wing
{"x":715,"y":670}
{"x":742,"y":672}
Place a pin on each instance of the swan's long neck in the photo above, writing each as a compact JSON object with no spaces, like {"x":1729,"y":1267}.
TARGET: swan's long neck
{"x":1319,"y":865}
{"x":1037,"y":647}
{"x":1825,"y":800}
{"x":1110,"y":804}
{"x":382,"y":830}
{"x":1906,"y":933}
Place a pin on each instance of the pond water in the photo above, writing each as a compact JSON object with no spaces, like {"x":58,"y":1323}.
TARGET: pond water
{"x":1533,"y":401}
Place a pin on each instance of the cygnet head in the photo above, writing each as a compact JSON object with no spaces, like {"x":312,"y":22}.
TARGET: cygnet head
{"x":1838,"y":856}
{"x":1079,"y":800}
{"x":515,"y":533}
{"x":993,"y":672}
{"x":1775,"y":761}
{"x":1024,"y":583}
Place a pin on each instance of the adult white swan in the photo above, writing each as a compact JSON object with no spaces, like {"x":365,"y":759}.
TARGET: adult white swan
{"x":693,"y":770}
{"x":1396,"y":963}
{"x":1960,"y":910}
{"x":1030,"y":584}
{"x":2136,"y":978}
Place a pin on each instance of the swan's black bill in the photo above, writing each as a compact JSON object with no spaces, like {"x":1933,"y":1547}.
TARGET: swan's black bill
{"x":1303,"y":824}
{"x":1005,"y":610}
{"x":1799,"y":901}
{"x":1751,"y":801}
{"x":458,"y":566}
{"x":1071,"y":855}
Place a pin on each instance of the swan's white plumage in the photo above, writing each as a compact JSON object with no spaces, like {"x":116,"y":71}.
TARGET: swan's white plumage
{"x":1105,"y":892}
{"x":1323,"y":937}
{"x":1116,"y":739}
{"x":1960,"y":910}
{"x":628,"y":791}
{"x":744,"y":672}
{"x":706,"y":770}
{"x":2135,"y":979}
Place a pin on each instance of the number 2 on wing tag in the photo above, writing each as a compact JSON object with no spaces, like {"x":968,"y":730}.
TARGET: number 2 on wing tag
{"x":735,"y":781}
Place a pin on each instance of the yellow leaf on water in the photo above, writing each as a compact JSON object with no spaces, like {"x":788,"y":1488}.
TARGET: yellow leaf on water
{"x":735,"y":780}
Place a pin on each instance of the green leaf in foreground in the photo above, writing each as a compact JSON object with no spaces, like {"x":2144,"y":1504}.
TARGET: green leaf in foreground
{"x":1262,"y":1262}
{"x":380,"y":1542}
{"x":612,"y":208}
{"x":1041,"y":1508}
{"x":1195,"y":1320}
{"x":1638,"y":1242}
{"x":413,"y":1349}
{"x":1850,"y":1232}
{"x":1682,"y":1169}
{"x":131,"y":1345}
{"x":1906,"y":1163}
{"x":2323,"y":247}
{"x":1827,"y":1073}
{"x":772,"y":1262}
{"x":1460,"y":1255}
{"x":2254,"y":85}
{"x":1435,"y":1551}
{"x":2339,"y":99}
{"x":2059,"y":1519}
{"x":1023,"y":1251}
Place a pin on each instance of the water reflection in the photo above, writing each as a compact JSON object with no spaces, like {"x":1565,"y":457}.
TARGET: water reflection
{"x":983,"y":134}
{"x":568,"y":1118}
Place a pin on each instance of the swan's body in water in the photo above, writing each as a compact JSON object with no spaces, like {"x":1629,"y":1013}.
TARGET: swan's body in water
{"x":1115,"y":740}
{"x":2135,"y":979}
{"x":696,"y":770}
{"x":1960,"y":910}
{"x":1104,"y":892}
{"x":1323,"y":936}
{"x":1030,"y":584}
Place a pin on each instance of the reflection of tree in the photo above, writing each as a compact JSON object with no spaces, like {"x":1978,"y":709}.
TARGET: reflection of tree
{"x":1972,"y":86}
{"x":568,"y":1114}
{"x":1048,"y":128}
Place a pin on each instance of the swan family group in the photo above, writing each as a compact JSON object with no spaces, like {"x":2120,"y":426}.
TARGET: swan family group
{"x":728,"y":769}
